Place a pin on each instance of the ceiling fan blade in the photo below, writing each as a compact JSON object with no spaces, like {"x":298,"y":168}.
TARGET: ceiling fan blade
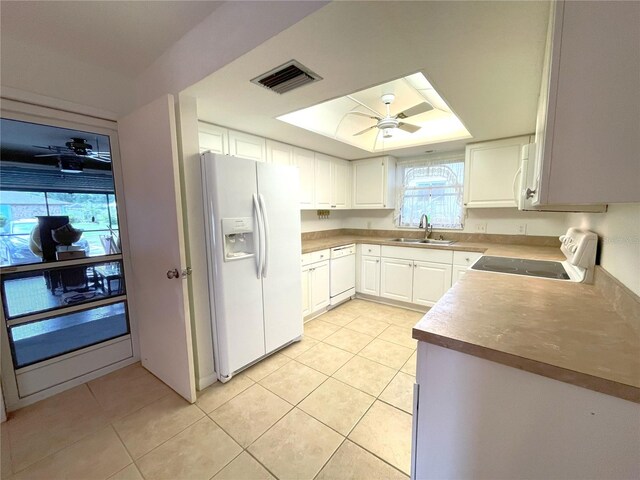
{"x":48,"y":155}
{"x":415,"y":110}
{"x":407,"y":127}
{"x":364,"y":131}
{"x":364,"y":115}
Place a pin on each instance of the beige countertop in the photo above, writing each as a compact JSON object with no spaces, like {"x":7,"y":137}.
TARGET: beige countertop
{"x":563,"y":330}
{"x":498,"y":249}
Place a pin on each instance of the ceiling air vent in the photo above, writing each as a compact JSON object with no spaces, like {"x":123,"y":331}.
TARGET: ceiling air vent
{"x":286,"y":77}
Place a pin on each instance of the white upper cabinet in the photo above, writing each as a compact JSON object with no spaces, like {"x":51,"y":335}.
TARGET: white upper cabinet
{"x":322,"y":181}
{"x":279,"y":153}
{"x":247,"y":146}
{"x":492,"y":170}
{"x":340,"y":183}
{"x":374,"y":183}
{"x":589,"y":105}
{"x":213,"y":138}
{"x":305,"y":160}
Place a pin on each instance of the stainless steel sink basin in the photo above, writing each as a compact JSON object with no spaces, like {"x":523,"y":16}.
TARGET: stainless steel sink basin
{"x":428,"y":241}
{"x":406,"y":240}
{"x":432,"y":241}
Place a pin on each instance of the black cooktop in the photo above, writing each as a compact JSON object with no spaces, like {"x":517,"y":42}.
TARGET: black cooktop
{"x":521,"y":266}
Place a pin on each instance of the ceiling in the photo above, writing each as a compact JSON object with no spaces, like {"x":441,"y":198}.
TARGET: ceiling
{"x":483,"y":58}
{"x":121,"y":36}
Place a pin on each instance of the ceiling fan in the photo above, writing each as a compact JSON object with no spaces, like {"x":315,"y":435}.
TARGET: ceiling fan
{"x":77,"y":147}
{"x":389,"y":122}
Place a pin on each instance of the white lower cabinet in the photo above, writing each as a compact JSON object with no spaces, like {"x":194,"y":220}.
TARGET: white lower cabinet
{"x":315,"y":287}
{"x":370,"y":275}
{"x":457,"y":273}
{"x":430,"y":282}
{"x":396,"y":279}
{"x":410,"y":275}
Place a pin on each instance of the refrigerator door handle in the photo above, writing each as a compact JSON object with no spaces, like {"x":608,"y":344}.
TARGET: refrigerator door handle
{"x":265,"y":224}
{"x":258,"y":247}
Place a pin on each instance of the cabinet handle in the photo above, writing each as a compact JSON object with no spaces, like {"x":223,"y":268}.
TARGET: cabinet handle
{"x":467,"y":259}
{"x":377,"y":261}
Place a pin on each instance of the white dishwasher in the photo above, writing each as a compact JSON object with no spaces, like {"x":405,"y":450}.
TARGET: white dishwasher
{"x":343,"y":273}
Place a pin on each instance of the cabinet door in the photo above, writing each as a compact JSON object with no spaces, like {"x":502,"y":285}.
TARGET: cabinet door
{"x":322,"y":181}
{"x":458,"y":272}
{"x":430,"y":282}
{"x":368,"y":183}
{"x":279,"y":153}
{"x":340,"y":183}
{"x":306,"y":292}
{"x":247,"y":146}
{"x":305,"y":161}
{"x":319,"y":286}
{"x":214,"y":138}
{"x":370,"y":275}
{"x":491,"y":173}
{"x":396,"y":279}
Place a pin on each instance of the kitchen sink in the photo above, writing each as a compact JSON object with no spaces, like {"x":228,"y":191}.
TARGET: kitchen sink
{"x":428,"y":241}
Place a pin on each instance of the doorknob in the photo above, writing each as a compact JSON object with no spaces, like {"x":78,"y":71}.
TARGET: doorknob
{"x":173,"y":273}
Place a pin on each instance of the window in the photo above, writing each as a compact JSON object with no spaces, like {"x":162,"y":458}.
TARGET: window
{"x":433,"y":186}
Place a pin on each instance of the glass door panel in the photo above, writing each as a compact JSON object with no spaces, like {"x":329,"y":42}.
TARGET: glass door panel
{"x":40,"y":340}
{"x":31,"y":292}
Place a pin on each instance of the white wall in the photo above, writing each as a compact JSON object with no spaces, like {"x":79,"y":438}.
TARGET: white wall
{"x":619,"y":232}
{"x":311,"y":223}
{"x":36,"y":69}
{"x":497,"y":220}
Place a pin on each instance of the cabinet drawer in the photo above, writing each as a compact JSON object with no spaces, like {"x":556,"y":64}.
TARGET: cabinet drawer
{"x":465,"y":258}
{"x":421,"y":254}
{"x":370,"y":250}
{"x":313,"y":257}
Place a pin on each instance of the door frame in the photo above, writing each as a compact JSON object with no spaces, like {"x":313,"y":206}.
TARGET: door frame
{"x":27,"y":112}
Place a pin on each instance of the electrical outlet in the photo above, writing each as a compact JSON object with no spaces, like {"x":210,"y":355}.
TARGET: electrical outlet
{"x":481,"y":227}
{"x":522,"y":229}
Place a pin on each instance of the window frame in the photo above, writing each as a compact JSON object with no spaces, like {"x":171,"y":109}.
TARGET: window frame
{"x":457,"y":187}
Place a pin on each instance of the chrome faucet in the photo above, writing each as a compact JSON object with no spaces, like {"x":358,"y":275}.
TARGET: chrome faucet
{"x":424,"y":223}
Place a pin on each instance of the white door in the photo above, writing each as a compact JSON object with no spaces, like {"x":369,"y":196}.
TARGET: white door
{"x":340,"y":183}
{"x":319,"y":285}
{"x":281,"y":266}
{"x":370,"y":275}
{"x":148,"y":147}
{"x":306,"y":292}
{"x":230,"y":189}
{"x":368,"y":183}
{"x":247,"y":146}
{"x":305,"y":161}
{"x":279,"y":153}
{"x":396,"y":279}
{"x":430,"y":282}
{"x":322,"y":181}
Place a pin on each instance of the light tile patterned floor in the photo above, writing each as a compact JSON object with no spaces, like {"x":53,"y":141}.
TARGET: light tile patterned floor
{"x":336,"y":405}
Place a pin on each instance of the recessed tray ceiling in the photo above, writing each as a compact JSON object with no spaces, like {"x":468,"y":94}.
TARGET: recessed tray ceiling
{"x":345,"y":117}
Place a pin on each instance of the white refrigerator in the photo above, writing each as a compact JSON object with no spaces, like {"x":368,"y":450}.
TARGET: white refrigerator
{"x":252,"y":221}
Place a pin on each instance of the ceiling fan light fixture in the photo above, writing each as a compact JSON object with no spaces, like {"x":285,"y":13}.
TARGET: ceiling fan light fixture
{"x":387,"y":133}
